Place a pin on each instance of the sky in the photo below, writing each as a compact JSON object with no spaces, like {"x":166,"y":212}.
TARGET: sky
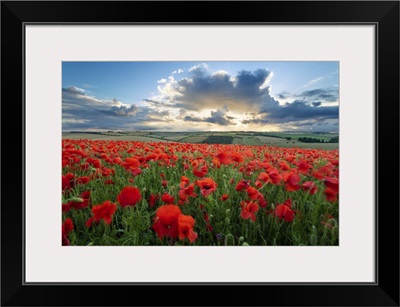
{"x":200,"y":96}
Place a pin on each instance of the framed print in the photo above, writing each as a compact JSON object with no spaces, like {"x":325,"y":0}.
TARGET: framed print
{"x":200,"y":153}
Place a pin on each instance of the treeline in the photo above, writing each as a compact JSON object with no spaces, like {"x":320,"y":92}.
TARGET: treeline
{"x":218,"y":139}
{"x":314,"y":140}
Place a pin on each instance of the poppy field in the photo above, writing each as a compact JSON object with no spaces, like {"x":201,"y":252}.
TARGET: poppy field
{"x":137,"y":193}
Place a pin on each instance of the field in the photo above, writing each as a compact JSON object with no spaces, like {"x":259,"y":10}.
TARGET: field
{"x":144,"y":188}
{"x":243,"y":138}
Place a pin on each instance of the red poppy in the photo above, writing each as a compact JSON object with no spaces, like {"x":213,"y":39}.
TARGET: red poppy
{"x":117,"y":160}
{"x":330,"y":194}
{"x":253,"y":193}
{"x":332,"y":183}
{"x":109,"y":181}
{"x":202,"y":172}
{"x":166,"y":198}
{"x":284,"y":166}
{"x":184,"y":182}
{"x":224,"y":197}
{"x":206,"y":218}
{"x":263,"y":177}
{"x":164,"y":183}
{"x":284,"y":212}
{"x":304,"y":167}
{"x":152,"y":200}
{"x":68,"y":181}
{"x":223,"y":157}
{"x":258,"y":184}
{"x":185,"y":193}
{"x":103,"y":211}
{"x":249,"y":210}
{"x":131,"y":163}
{"x":310,"y":187}
{"x":215,"y":163}
{"x":77,"y":203}
{"x":107,"y":171}
{"x":292,"y":182}
{"x":67,"y":227}
{"x":185,"y":226}
{"x":274,"y":176}
{"x":82,"y":180}
{"x":242,"y":185}
{"x":288,"y":202}
{"x":237,"y":157}
{"x":129,"y":196}
{"x":207,"y":186}
{"x":166,"y":221}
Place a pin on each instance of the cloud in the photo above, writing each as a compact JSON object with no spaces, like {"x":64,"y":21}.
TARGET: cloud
{"x":284,"y":95}
{"x":330,"y":95}
{"x":178,"y":71}
{"x":198,"y":68}
{"x":203,"y":90}
{"x":313,"y":81}
{"x":298,"y":110}
{"x":81,"y":112}
{"x":203,"y":98}
{"x":88,"y":85}
{"x":318,"y":79}
{"x":246,"y":95}
{"x":73,"y":90}
{"x":124,"y":111}
{"x":217,"y":117}
{"x":256,"y":121}
{"x":290,"y":113}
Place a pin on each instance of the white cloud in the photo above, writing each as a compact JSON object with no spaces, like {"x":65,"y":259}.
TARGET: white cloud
{"x":267,"y":81}
{"x":179,"y":71}
{"x":313,"y":81}
{"x":198,"y":67}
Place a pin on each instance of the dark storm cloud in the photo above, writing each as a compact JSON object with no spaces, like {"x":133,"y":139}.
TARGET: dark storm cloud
{"x":298,"y":110}
{"x":217,"y":117}
{"x":330,"y":95}
{"x":80,"y":111}
{"x":316,"y":103}
{"x":207,"y":91}
{"x":73,"y":90}
{"x":284,"y":95}
{"x":256,"y":121}
{"x":124,"y":111}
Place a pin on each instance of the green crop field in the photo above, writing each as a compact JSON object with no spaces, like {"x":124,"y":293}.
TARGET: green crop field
{"x":279,"y":139}
{"x":193,"y":139}
{"x":90,"y":136}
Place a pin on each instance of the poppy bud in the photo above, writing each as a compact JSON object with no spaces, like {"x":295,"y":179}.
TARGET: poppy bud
{"x":228,"y":212}
{"x":245,"y":244}
{"x":241,"y":239}
{"x":313,"y":229}
{"x":76,"y":199}
{"x":313,"y":239}
{"x":227,"y":221}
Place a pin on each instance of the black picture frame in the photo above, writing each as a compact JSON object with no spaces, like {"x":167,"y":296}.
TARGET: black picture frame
{"x":383,"y":14}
